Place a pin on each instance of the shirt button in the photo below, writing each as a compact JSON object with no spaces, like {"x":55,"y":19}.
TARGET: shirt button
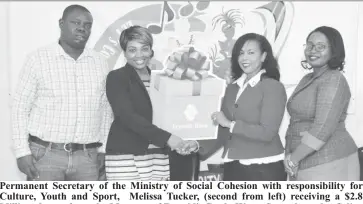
{"x":236,"y":105}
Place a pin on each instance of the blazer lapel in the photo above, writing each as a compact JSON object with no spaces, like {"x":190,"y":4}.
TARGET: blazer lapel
{"x":135,"y":77}
{"x":306,"y":83}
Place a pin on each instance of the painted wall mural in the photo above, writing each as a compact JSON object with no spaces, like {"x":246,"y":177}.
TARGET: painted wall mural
{"x":194,"y":23}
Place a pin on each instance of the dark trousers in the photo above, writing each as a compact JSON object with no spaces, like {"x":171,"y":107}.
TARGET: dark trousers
{"x":183,"y":168}
{"x":235,"y":171}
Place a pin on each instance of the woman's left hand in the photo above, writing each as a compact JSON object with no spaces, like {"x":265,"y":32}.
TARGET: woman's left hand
{"x":220,"y":119}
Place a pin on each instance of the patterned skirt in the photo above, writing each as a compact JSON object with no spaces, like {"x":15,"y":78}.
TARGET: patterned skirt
{"x":153,"y":166}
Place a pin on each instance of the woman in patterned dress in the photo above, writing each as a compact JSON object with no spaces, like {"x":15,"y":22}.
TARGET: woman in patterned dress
{"x":318,"y":145}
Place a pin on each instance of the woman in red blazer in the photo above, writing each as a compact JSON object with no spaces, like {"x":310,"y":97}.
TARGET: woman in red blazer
{"x":251,"y":114}
{"x":318,"y":145}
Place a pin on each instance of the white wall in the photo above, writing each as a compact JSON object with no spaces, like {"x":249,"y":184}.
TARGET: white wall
{"x":8,"y":170}
{"x":40,"y":27}
{"x":357,"y":118}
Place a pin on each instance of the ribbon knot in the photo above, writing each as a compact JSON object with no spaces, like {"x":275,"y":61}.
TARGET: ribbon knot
{"x":187,"y":63}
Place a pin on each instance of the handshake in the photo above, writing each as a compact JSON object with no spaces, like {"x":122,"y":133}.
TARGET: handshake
{"x":182,"y":147}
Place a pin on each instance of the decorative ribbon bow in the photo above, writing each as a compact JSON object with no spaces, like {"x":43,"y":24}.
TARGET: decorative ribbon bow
{"x":187,"y":63}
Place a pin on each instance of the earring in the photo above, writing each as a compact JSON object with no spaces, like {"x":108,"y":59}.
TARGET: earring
{"x":305,"y":64}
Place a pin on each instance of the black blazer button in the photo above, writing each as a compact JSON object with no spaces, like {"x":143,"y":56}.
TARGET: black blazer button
{"x":236,"y":105}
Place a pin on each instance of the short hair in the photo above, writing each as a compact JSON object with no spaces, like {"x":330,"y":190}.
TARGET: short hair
{"x":136,"y":33}
{"x":73,"y":7}
{"x":335,"y":39}
{"x":270,"y":63}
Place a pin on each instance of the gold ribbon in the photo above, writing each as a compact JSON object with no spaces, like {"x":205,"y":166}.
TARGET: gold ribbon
{"x":187,"y":63}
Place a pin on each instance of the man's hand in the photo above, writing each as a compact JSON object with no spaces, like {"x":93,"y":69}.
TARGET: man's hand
{"x":101,"y":167}
{"x":175,"y":142}
{"x":26,"y":165}
{"x":101,"y":159}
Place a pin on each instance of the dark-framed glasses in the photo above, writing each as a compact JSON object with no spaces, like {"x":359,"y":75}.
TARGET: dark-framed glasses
{"x":318,"y":47}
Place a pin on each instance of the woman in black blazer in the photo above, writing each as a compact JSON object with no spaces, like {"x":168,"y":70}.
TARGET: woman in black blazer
{"x":136,"y":149}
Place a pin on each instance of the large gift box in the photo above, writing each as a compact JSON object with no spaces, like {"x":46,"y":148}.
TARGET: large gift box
{"x":185,"y":94}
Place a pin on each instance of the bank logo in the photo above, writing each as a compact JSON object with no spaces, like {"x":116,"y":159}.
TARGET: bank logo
{"x":190,"y":112}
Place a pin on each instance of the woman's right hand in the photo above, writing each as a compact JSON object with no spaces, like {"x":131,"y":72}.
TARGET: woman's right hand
{"x":175,"y":142}
{"x":188,"y":147}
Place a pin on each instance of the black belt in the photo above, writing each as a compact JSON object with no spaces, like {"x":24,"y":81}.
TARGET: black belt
{"x":68,"y":147}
